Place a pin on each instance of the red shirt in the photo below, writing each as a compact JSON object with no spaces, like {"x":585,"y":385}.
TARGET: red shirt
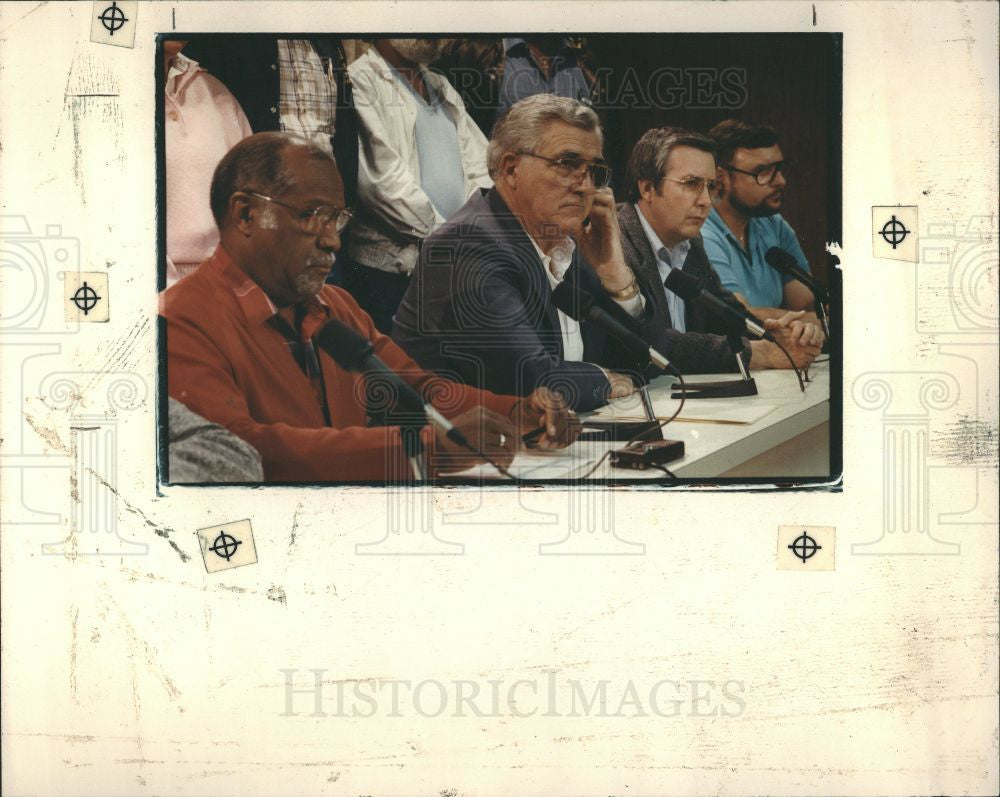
{"x":230,"y":364}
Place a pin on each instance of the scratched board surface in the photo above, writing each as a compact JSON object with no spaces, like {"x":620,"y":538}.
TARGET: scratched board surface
{"x":487,"y":641}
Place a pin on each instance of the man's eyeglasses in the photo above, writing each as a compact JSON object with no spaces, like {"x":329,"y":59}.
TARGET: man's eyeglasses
{"x":693,"y":186}
{"x":573,"y":166}
{"x":764,"y":175}
{"x":314,"y":220}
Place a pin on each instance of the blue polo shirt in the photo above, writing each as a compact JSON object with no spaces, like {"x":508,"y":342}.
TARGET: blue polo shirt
{"x":749,"y":274}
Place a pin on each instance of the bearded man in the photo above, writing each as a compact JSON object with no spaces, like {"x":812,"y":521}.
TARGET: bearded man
{"x":421,"y":157}
{"x":746,"y":221}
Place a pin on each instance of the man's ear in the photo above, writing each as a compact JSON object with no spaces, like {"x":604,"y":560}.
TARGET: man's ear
{"x":508,"y":168}
{"x":722,"y":178}
{"x":646,"y":189}
{"x":241,"y":212}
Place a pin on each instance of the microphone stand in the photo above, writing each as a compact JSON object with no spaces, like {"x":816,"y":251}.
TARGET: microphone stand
{"x":647,"y":430}
{"x":410,"y":424}
{"x":647,"y":404}
{"x":728,"y":388}
{"x":736,"y":347}
{"x":821,"y":315}
{"x":413,"y":447}
{"x":833,"y":262}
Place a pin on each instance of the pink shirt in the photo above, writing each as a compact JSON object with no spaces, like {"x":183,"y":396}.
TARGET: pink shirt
{"x":202,"y":121}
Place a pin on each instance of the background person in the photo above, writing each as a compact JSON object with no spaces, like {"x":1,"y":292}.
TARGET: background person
{"x":201,"y":121}
{"x":421,"y":156}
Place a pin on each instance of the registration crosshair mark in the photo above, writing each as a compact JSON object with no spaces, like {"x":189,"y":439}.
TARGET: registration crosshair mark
{"x":113,"y":18}
{"x":804,"y":547}
{"x":224,"y":546}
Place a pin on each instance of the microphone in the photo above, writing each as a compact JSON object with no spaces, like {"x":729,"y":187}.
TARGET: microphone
{"x":689,"y":289}
{"x":353,"y":352}
{"x":784,"y":263}
{"x":579,"y":305}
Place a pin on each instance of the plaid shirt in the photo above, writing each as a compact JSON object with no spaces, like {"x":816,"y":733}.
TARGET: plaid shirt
{"x":308,"y":101}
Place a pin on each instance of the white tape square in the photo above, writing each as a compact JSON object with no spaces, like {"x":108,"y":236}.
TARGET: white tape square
{"x":807,"y":547}
{"x":227,"y":546}
{"x":113,"y":22}
{"x":86,"y":296}
{"x":894,"y":232}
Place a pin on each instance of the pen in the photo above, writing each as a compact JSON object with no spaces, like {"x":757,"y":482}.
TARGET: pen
{"x":533,"y":435}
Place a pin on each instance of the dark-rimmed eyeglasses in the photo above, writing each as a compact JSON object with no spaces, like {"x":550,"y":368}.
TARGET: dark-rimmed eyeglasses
{"x":573,"y":166}
{"x":764,"y":175}
{"x":314,"y":220}
{"x":693,"y":186}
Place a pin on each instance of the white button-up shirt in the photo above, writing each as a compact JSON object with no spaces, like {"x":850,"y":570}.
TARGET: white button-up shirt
{"x":389,"y":165}
{"x":555,"y":269}
{"x":667,"y":259}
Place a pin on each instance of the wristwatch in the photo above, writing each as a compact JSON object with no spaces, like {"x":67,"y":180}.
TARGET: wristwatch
{"x":630,"y":291}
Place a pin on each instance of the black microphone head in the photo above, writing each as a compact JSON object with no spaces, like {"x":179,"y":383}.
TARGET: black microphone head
{"x":348,"y":348}
{"x":778,"y":259}
{"x":684,"y":285}
{"x":782,"y":262}
{"x":573,"y":300}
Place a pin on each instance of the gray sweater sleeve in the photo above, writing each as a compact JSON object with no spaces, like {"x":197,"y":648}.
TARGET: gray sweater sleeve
{"x":200,"y":451}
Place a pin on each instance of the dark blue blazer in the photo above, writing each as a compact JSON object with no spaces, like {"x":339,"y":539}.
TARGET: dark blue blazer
{"x":479,"y":310}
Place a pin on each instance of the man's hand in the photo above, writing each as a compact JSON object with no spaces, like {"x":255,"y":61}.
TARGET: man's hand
{"x":621,"y":385}
{"x":546,"y":410}
{"x":486,"y":430}
{"x":811,"y":318}
{"x":796,"y":337}
{"x":799,"y":326}
{"x":601,"y":244}
{"x":802,"y":355}
{"x":765,"y":354}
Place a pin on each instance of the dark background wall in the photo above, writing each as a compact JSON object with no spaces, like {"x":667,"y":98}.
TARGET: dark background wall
{"x":789,"y":81}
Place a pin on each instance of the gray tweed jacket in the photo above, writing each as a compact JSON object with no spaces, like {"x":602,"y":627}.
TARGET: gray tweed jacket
{"x":703,"y":349}
{"x":201,"y":451}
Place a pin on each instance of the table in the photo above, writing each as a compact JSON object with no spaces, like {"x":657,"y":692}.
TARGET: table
{"x":789,"y":435}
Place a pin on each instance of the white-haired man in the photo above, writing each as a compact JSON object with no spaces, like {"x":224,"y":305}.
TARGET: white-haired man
{"x":479,"y":307}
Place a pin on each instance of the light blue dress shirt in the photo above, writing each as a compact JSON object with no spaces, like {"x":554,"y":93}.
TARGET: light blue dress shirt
{"x":749,"y":273}
{"x":667,"y":259}
{"x":442,"y":177}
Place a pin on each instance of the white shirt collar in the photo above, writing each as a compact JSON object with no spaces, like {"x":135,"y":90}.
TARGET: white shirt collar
{"x":677,"y":254}
{"x":180,"y":64}
{"x":181,"y":67}
{"x":560,"y":259}
{"x":569,"y":328}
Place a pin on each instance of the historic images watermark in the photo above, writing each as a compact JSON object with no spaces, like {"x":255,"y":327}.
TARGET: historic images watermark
{"x":308,"y":692}
{"x":665,"y":88}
